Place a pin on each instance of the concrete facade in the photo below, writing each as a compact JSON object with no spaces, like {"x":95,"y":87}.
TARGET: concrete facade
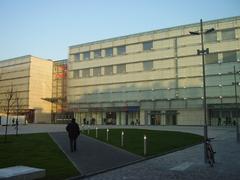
{"x":31,"y":78}
{"x":156,"y":77}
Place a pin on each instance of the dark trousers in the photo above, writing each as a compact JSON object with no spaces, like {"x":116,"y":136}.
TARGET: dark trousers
{"x":73,"y":144}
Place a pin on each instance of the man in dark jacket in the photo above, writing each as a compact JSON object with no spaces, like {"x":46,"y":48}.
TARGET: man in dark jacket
{"x":73,"y":133}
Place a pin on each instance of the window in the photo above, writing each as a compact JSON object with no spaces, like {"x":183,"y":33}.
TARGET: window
{"x":86,"y":73}
{"x":108,"y":70}
{"x":109,"y":52}
{"x":210,"y":37}
{"x":76,"y":74}
{"x":97,"y":71}
{"x":121,"y":50}
{"x":148,"y":65}
{"x":228,"y":34}
{"x":230,"y":56}
{"x":211,"y":58}
{"x":121,"y":68}
{"x":86,"y":55}
{"x":147,"y":45}
{"x":97,"y":53}
{"x":77,"y":57}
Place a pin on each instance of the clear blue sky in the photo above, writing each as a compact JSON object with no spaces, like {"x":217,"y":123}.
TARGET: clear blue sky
{"x":46,"y":28}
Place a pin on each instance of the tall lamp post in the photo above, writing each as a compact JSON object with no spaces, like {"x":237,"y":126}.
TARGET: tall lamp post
{"x":235,"y":83}
{"x":203,"y":52}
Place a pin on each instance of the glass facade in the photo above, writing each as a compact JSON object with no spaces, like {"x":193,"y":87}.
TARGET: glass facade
{"x":86,"y":55}
{"x":211,"y":58}
{"x":228,"y":34}
{"x":121,"y":68}
{"x":77,"y":57}
{"x":147,"y":45}
{"x":76,"y":74}
{"x":148,"y":65}
{"x":121,"y":50}
{"x":108,"y":70}
{"x":230,"y":56}
{"x":97,"y":53}
{"x":210,"y":37}
{"x":97,"y":71}
{"x":85,"y":73}
{"x":109,"y":52}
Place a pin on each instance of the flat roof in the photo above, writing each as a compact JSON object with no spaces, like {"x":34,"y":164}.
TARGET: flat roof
{"x":156,"y":31}
{"x":25,"y":56}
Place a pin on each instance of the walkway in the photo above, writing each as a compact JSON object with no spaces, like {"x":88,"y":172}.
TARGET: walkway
{"x":93,"y":156}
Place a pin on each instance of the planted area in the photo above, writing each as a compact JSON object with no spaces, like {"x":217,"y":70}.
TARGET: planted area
{"x":157,"y":142}
{"x":36,"y":150}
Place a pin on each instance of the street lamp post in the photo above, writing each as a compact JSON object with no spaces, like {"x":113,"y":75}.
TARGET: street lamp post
{"x":203,"y":52}
{"x":235,"y":83}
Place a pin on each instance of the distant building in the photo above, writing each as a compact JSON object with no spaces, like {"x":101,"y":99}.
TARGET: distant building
{"x":31,"y":78}
{"x":156,"y":77}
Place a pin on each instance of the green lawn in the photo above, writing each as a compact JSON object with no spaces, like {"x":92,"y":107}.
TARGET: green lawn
{"x":158,"y":142}
{"x":36,"y":150}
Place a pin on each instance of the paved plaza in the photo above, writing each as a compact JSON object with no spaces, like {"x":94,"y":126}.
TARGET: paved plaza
{"x":184,"y":164}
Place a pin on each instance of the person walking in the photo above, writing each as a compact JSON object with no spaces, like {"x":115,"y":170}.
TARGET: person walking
{"x":73,"y":133}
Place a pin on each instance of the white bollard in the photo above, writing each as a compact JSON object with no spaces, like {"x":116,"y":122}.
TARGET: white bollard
{"x":122,"y":136}
{"x":145,"y":145}
{"x":82,"y":128}
{"x":107,"y":134}
{"x":96,"y":132}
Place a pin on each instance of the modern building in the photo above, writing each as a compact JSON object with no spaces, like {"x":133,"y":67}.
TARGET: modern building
{"x":156,"y":77}
{"x":30,"y":78}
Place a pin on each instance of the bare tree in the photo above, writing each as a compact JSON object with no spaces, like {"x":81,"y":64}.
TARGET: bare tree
{"x":18,"y":107}
{"x":9,"y":100}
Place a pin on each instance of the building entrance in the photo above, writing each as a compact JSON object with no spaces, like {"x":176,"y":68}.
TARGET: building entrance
{"x":171,"y":117}
{"x":110,"y":118}
{"x":155,"y":117}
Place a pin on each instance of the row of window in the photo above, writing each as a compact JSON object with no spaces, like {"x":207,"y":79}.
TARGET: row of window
{"x":121,"y":50}
{"x":230,"y":56}
{"x":108,"y":70}
{"x":157,"y":94}
{"x":228,"y":34}
{"x":148,"y":65}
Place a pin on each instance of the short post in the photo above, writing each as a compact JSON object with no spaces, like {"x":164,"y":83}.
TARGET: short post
{"x":96,"y":132}
{"x":145,"y":145}
{"x":88,"y":130}
{"x":122,"y":136}
{"x":82,"y":128}
{"x":107,"y":133}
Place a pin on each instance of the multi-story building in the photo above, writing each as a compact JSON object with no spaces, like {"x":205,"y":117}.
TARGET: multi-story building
{"x":30,"y":78}
{"x":156,"y":77}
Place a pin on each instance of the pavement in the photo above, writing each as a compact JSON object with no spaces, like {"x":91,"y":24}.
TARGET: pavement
{"x":184,"y":164}
{"x":93,"y":156}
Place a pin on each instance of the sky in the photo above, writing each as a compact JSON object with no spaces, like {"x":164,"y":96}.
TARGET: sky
{"x":46,"y":28}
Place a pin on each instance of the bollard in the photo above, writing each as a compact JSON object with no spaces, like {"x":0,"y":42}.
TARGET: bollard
{"x":107,"y":134}
{"x":122,"y":135}
{"x":96,"y":132}
{"x":145,"y":145}
{"x":82,"y":128}
{"x":88,"y":129}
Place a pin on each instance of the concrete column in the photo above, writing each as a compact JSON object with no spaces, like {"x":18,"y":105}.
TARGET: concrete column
{"x":163,"y":117}
{"x":114,"y":51}
{"x":123,"y":118}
